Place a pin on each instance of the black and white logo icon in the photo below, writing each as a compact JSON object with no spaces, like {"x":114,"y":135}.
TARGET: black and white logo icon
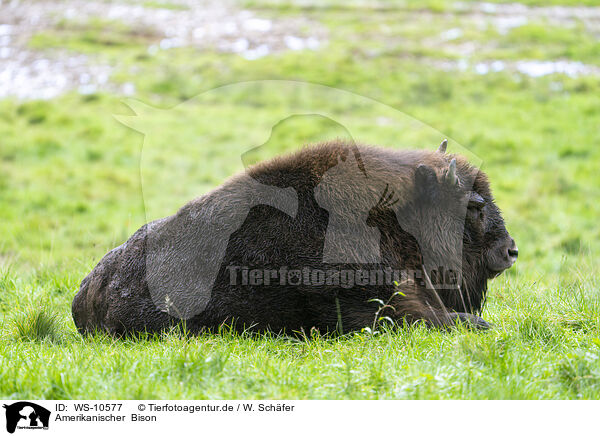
{"x":26,"y":415}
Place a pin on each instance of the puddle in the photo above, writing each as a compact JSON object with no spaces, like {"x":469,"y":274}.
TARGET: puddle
{"x":531,"y":68}
{"x":220,"y":25}
{"x":568,"y":68}
{"x":506,"y":16}
{"x":212,"y":25}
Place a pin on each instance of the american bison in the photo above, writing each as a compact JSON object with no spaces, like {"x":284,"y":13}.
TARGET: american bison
{"x":320,"y":238}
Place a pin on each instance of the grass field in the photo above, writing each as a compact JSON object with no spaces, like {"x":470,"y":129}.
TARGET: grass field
{"x":73,"y":185}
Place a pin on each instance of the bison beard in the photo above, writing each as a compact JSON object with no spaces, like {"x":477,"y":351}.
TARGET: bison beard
{"x":430,"y":208}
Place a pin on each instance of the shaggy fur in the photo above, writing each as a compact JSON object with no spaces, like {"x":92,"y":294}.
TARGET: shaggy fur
{"x":424,"y":221}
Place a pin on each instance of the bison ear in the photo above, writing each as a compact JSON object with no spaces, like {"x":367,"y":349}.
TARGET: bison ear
{"x":426,"y":183}
{"x":425,"y":176}
{"x":443,"y":146}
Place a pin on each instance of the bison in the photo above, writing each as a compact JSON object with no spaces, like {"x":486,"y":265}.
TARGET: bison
{"x":326,"y":237}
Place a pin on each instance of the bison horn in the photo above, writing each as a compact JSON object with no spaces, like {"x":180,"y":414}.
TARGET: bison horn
{"x":451,"y":177}
{"x":442,"y":147}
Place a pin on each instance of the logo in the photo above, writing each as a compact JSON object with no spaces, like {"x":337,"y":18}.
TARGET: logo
{"x":26,"y":415}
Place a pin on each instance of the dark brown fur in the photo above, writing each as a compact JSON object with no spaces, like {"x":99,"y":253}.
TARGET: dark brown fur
{"x":115,"y":298}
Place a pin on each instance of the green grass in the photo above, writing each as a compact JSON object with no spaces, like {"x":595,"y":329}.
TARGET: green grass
{"x":73,"y":186}
{"x":36,"y":324}
{"x":109,"y":36}
{"x":544,"y":345}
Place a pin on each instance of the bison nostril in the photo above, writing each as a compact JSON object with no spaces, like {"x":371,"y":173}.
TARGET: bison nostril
{"x":513,"y":252}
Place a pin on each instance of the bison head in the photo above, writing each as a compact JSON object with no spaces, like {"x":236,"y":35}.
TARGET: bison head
{"x":460,"y":227}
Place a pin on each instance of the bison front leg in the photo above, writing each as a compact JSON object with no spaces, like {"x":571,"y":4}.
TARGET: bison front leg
{"x":469,"y":320}
{"x":416,"y":304}
{"x":440,"y":318}
{"x":450,"y":319}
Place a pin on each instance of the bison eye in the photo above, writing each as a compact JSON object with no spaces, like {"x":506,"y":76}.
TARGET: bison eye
{"x":476,"y":201}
